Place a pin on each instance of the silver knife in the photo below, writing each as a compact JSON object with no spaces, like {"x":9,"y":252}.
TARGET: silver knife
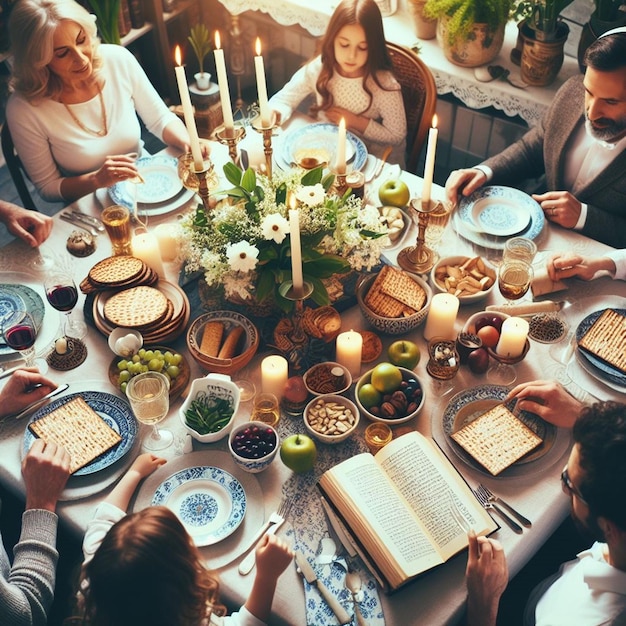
{"x":309,"y":574}
{"x":68,"y":217}
{"x":88,"y":219}
{"x":517,"y":514}
{"x":39,"y":403}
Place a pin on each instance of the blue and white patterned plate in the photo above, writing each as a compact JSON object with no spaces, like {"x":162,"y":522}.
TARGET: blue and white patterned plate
{"x":468,"y":228}
{"x":113,"y":410}
{"x":502,"y":217}
{"x":469,"y":404}
{"x":14,"y":298}
{"x":601,"y":369}
{"x":210,"y":502}
{"x":322,"y":135}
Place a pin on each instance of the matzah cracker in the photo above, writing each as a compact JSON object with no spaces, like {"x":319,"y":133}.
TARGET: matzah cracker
{"x":383,"y":304}
{"x":136,"y":307}
{"x":79,"y":429}
{"x":398,"y":285}
{"x":115,"y":270}
{"x":497,"y":439}
{"x":607,"y":339}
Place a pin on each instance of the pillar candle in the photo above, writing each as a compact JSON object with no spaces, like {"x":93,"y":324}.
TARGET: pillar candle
{"x":512,"y":337}
{"x":349,"y":348}
{"x":341,"y":148}
{"x":429,"y":166}
{"x":222,"y":80}
{"x":167,"y":236}
{"x":296,"y":252}
{"x":190,"y":120}
{"x":261,"y":85}
{"x":274,"y":370}
{"x":146,"y":247}
{"x":441,"y":316}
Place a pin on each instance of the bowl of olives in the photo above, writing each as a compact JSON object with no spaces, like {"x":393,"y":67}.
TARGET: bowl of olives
{"x":253,"y":446}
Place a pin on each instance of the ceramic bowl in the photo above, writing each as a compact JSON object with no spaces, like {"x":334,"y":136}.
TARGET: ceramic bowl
{"x":248,"y":431}
{"x":246,"y":350}
{"x":456,"y":261}
{"x":125,"y":341}
{"x":406,"y":376}
{"x":470,"y":325}
{"x":211,"y":387}
{"x":324,"y":378}
{"x":393,"y":325}
{"x":330,"y":433}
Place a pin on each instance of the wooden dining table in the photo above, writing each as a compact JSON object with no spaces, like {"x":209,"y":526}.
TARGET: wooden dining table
{"x":439,"y":596}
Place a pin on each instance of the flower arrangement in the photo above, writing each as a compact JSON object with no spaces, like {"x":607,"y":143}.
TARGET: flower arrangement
{"x":244,"y":245}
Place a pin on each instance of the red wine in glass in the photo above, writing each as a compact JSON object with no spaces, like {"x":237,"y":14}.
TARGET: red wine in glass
{"x":62,"y":297}
{"x":21,"y":335}
{"x":62,"y":294}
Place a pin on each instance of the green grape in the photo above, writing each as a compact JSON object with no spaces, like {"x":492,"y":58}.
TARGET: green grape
{"x":155,"y":365}
{"x":122,"y":365}
{"x":173,"y":371}
{"x":123,"y":387}
{"x":176,"y":358}
{"x":158,"y":354}
{"x":124,"y":376}
{"x":141,"y":352}
{"x":148,"y":355}
{"x":136,"y":358}
{"x":168,"y":357}
{"x":144,"y":369}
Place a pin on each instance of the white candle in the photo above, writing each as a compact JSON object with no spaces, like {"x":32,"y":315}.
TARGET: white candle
{"x":349,"y":348}
{"x":222,"y":80}
{"x":341,"y":147}
{"x":167,"y":236}
{"x":512,"y":337}
{"x":146,"y":247}
{"x":441,"y":316}
{"x":429,"y":166}
{"x":261,"y":85}
{"x":190,"y":120}
{"x":296,"y":252}
{"x":274,"y":370}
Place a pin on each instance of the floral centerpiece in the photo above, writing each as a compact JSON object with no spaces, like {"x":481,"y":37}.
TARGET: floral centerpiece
{"x":243,"y":244}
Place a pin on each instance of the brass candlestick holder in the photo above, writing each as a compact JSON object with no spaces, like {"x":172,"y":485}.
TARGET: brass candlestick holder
{"x":340,"y":186}
{"x":231,"y":137}
{"x":419,"y":258}
{"x":267,"y":131}
{"x":200,"y":182}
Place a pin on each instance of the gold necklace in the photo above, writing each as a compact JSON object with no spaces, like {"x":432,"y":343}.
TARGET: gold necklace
{"x":103,"y":113}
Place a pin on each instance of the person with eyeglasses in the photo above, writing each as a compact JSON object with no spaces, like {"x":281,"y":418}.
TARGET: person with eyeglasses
{"x":591,"y":589}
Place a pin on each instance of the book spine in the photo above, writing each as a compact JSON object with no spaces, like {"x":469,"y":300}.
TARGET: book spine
{"x":136,"y":13}
{"x":124,"y":23}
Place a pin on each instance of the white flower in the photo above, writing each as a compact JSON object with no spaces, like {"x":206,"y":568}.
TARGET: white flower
{"x":242,"y":256}
{"x":275,"y":226}
{"x":311,"y":195}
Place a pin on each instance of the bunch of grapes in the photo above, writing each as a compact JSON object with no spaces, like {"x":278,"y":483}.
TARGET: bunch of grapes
{"x":168,"y":363}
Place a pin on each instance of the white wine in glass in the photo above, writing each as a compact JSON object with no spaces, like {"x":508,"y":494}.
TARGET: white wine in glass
{"x":514,"y":278}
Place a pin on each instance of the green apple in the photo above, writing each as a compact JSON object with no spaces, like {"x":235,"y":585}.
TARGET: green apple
{"x":369,"y":396}
{"x":404,"y":353}
{"x":386,"y":378}
{"x":394,"y":192}
{"x":298,"y":453}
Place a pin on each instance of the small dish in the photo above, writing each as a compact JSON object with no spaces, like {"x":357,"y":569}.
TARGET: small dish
{"x":331,"y":418}
{"x":125,"y":341}
{"x":470,"y":325}
{"x":327,"y":377}
{"x":463,"y":275}
{"x":249,"y":434}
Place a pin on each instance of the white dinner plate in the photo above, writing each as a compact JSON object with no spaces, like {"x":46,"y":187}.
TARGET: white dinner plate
{"x":500,"y":216}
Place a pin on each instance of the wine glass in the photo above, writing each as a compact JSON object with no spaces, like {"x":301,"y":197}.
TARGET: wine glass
{"x":514,"y":278}
{"x":20,"y":333}
{"x":443,"y":363}
{"x":62,"y":294}
{"x":149,"y":398}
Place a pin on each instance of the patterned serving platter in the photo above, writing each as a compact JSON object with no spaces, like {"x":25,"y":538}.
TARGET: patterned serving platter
{"x":210,"y":502}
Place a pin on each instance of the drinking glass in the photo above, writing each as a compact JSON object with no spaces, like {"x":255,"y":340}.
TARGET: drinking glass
{"x":519,"y":248}
{"x":443,"y":364}
{"x":20,"y":333}
{"x":437,"y":223}
{"x":265,"y":409}
{"x":116,"y":220}
{"x":514,"y":278}
{"x":148,"y":394}
{"x":62,"y":294}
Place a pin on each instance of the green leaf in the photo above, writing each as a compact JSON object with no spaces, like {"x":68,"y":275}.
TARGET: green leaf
{"x":327,"y":181}
{"x":312,"y":177}
{"x":248,"y":181}
{"x":281,"y":194}
{"x":319,"y":295}
{"x":265,"y":285}
{"x":232,"y":173}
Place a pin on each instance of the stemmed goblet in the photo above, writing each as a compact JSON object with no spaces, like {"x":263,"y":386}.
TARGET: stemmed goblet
{"x":20,"y":333}
{"x":514,"y":278}
{"x":62,"y":294}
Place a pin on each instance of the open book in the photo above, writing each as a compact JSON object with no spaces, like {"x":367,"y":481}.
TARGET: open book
{"x":397,"y":506}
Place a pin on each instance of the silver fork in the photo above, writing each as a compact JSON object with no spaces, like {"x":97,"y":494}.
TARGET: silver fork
{"x":274,"y":522}
{"x":495,"y":499}
{"x":490,"y":506}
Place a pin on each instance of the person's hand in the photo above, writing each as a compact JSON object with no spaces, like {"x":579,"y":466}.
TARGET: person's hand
{"x":145,"y":464}
{"x":547,"y":399}
{"x":45,"y":469}
{"x":560,"y":207}
{"x":116,"y":168}
{"x":486,"y":576}
{"x":30,"y":226}
{"x":566,"y":264}
{"x":21,"y":389}
{"x":465,"y":181}
{"x":272,"y":557}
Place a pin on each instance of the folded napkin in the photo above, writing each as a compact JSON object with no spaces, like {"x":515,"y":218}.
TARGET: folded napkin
{"x":542,"y":283}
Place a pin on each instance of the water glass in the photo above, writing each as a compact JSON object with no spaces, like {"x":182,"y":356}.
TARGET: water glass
{"x":519,"y":249}
{"x":265,"y":409}
{"x":116,"y":220}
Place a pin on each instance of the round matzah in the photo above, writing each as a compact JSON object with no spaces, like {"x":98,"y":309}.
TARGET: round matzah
{"x":135,"y":307}
{"x":115,"y":270}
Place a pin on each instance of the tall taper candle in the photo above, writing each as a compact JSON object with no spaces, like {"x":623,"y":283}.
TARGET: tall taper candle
{"x":296,"y":252}
{"x":261,"y":85}
{"x":341,"y":148}
{"x":222,"y":80}
{"x":190,"y":120}
{"x":429,"y":166}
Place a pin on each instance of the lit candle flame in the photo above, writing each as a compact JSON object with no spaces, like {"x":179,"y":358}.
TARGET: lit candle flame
{"x":434,"y":124}
{"x":257,"y":47}
{"x":218,"y":43}
{"x":177,"y":56}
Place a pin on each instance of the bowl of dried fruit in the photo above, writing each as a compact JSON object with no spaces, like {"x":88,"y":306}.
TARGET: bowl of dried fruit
{"x":327,"y":377}
{"x":331,"y":418}
{"x":209,"y":409}
{"x":470,"y":279}
{"x":253,"y":446}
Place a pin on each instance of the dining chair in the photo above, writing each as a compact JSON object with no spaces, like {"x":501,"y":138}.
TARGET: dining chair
{"x":419,"y":95}
{"x":16,"y":169}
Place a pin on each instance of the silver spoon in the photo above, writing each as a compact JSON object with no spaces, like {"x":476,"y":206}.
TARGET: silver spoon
{"x":354,"y":585}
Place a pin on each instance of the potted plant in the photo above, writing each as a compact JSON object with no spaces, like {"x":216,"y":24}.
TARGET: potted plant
{"x":607,"y":14}
{"x":470,"y":32}
{"x":107,"y":16}
{"x":201,"y":44}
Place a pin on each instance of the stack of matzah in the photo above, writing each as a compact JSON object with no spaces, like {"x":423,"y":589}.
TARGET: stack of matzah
{"x":606,"y":339}
{"x":394,"y":294}
{"x":497,"y":439}
{"x":118,"y":272}
{"x":78,"y":428}
{"x":140,"y":307}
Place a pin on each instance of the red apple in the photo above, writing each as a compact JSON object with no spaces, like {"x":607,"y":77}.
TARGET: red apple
{"x":478,"y":360}
{"x":496,"y":322}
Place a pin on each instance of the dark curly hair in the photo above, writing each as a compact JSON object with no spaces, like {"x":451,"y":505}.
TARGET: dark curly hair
{"x":600,"y":433}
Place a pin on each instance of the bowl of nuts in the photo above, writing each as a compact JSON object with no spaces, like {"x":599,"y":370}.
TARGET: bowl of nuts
{"x":331,"y":418}
{"x":327,"y":377}
{"x":399,"y":403}
{"x":470,"y":279}
{"x":253,"y":446}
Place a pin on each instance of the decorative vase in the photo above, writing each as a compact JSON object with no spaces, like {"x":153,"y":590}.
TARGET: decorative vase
{"x":542,"y":60}
{"x":425,"y":27}
{"x":481,"y":46}
{"x":591,"y":31}
{"x":203,"y":80}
